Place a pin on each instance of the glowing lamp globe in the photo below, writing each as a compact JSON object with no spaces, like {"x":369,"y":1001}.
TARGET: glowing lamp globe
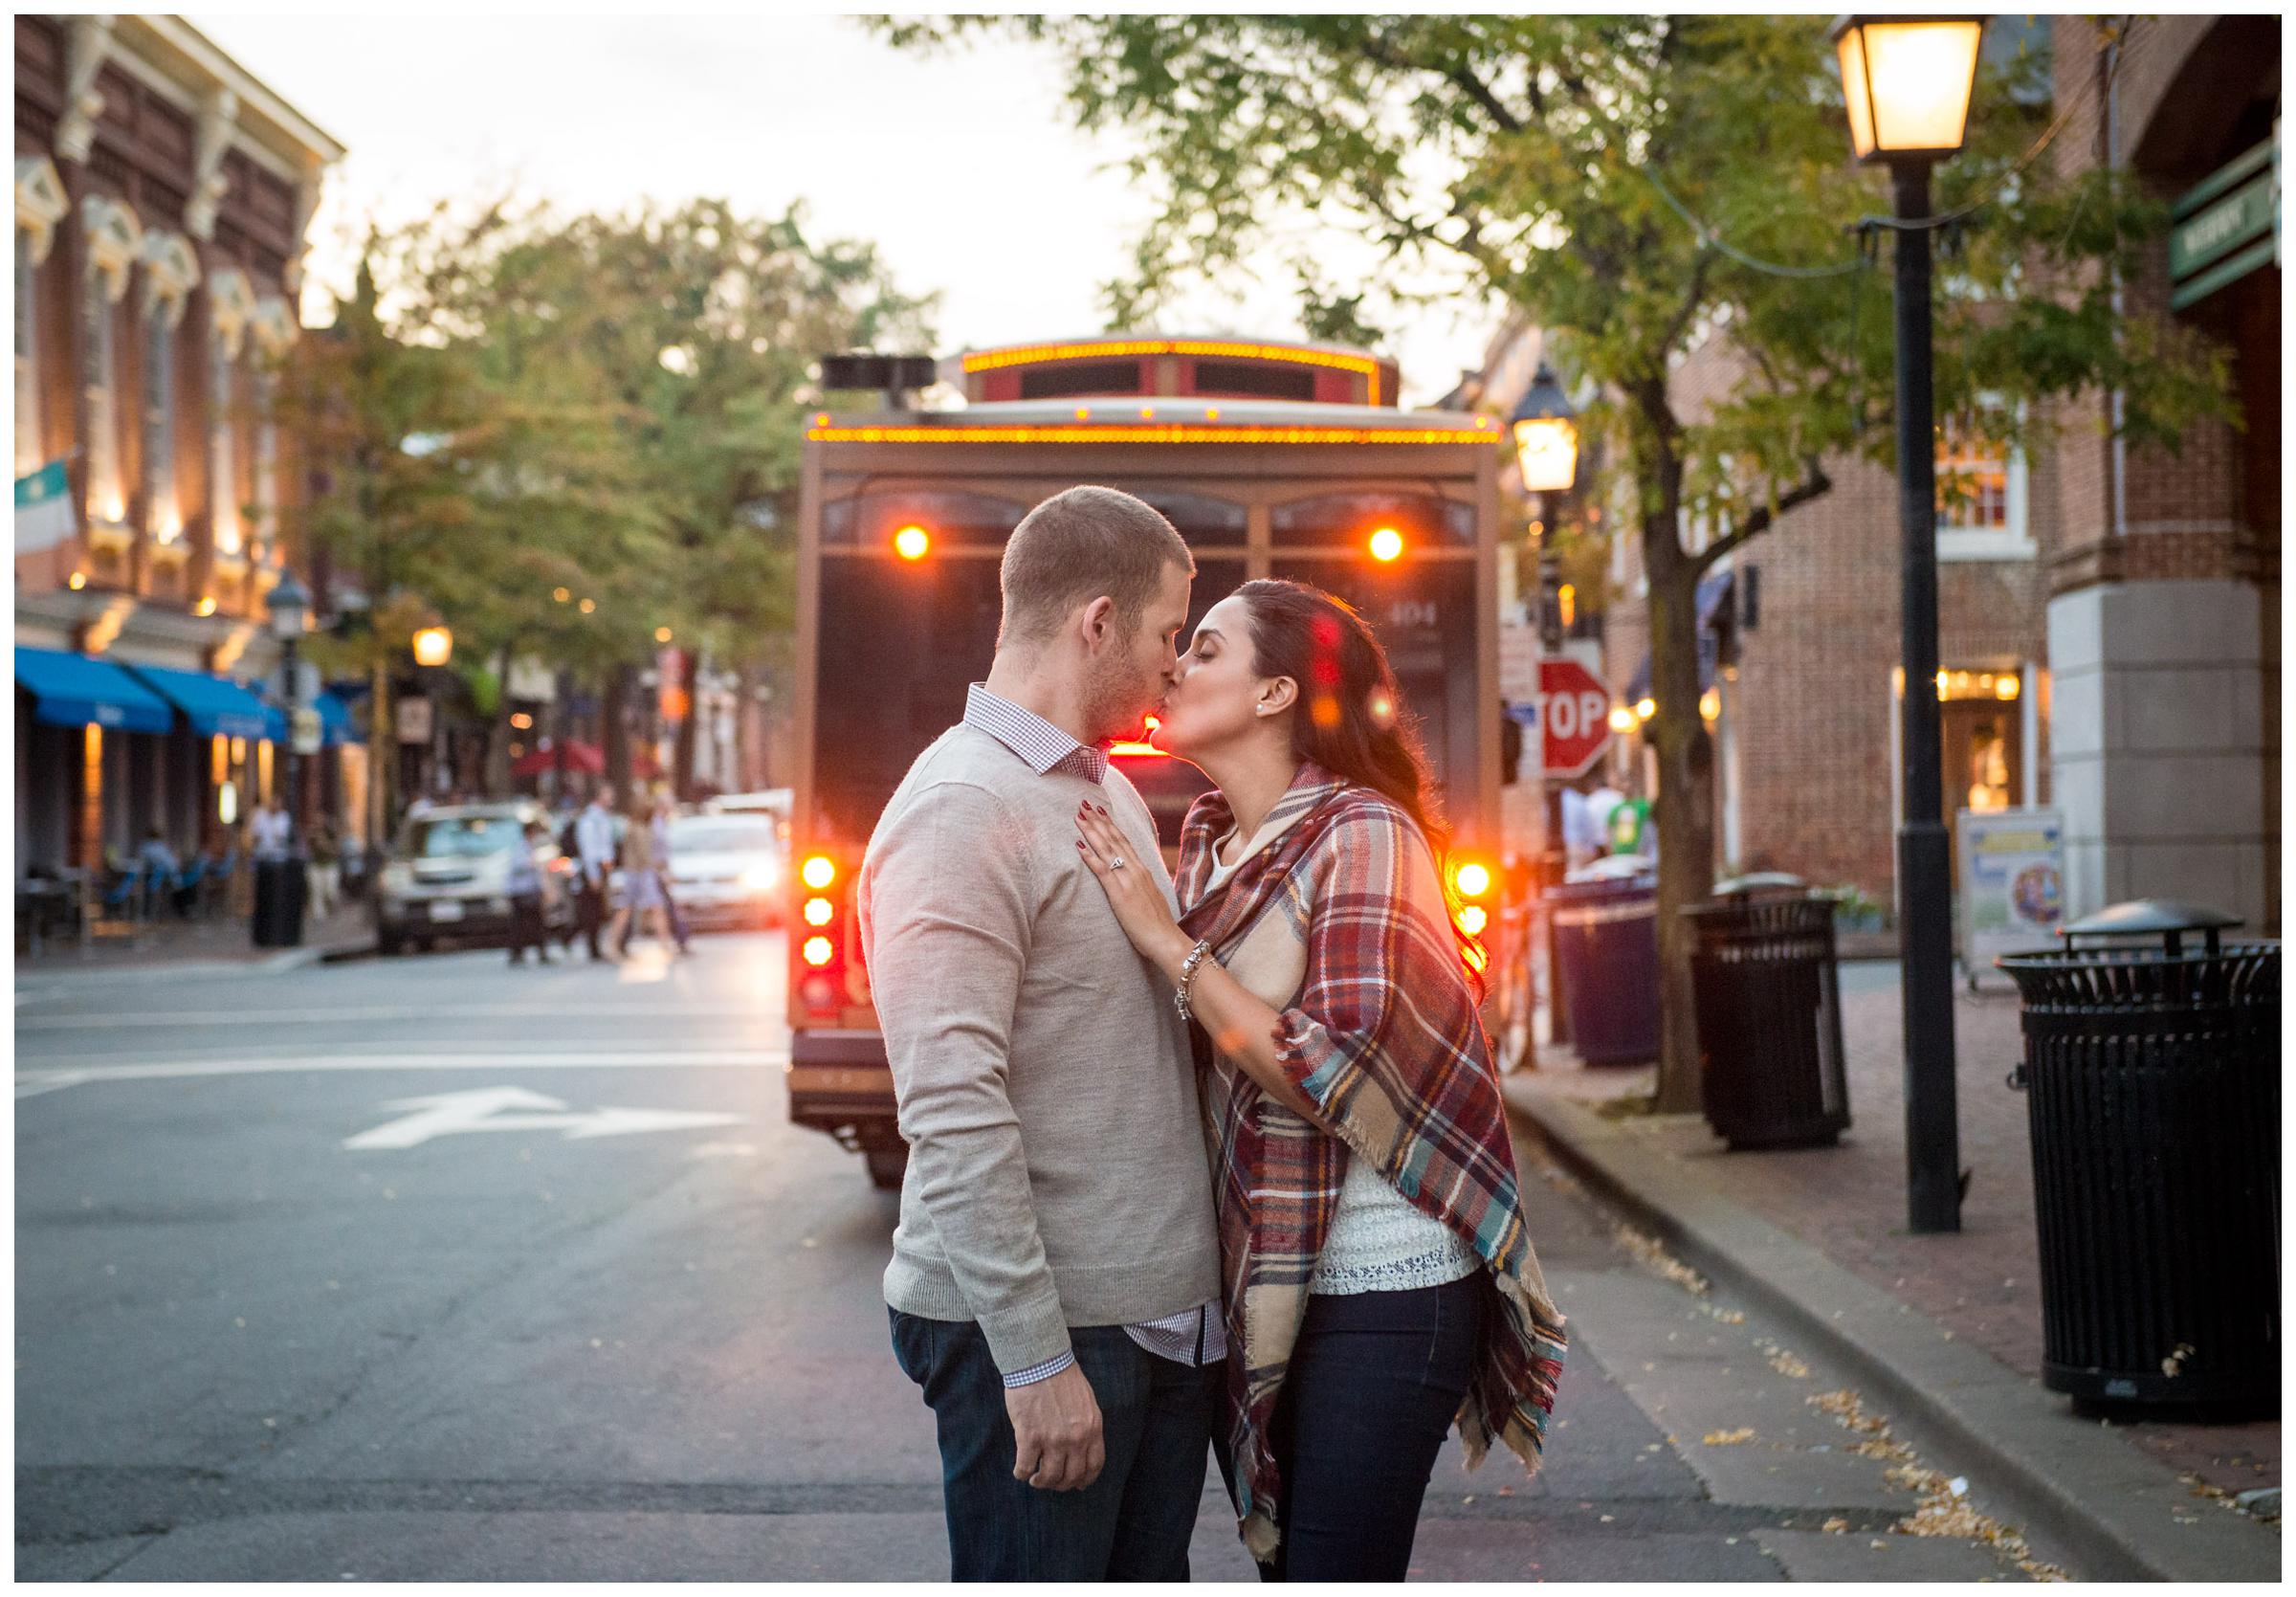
{"x":1545,"y":425}
{"x":1908,"y":81}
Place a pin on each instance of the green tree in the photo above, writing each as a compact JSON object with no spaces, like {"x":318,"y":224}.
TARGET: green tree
{"x":704,"y":324}
{"x":1626,"y":183}
{"x":515,"y":407}
{"x":366,"y":407}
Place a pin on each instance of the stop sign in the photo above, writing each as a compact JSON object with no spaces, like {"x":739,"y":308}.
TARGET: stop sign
{"x":1573,"y":715}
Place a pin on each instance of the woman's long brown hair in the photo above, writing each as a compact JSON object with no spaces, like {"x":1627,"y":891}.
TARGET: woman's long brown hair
{"x":1351,"y":718}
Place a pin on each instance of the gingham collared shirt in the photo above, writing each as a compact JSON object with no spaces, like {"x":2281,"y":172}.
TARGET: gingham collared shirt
{"x":1194,"y":1336}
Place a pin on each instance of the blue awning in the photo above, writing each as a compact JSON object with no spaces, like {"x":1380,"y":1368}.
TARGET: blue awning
{"x":214,"y":706}
{"x":77,"y":690}
{"x":336,"y":726}
{"x":1713,"y":592}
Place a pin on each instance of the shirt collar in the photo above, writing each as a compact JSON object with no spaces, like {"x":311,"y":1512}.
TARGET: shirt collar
{"x":1044,"y":746}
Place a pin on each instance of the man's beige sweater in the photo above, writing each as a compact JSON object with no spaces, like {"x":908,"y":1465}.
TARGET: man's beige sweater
{"x":1057,"y":1173}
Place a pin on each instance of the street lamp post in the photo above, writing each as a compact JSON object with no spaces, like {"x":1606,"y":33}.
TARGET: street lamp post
{"x":1907,"y":83}
{"x":1545,"y":427}
{"x":433,"y":648}
{"x":289,"y":604}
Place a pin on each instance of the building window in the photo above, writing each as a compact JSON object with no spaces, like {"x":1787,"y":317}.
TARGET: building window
{"x":223,"y":467}
{"x":161,"y":518}
{"x":115,"y":239}
{"x":1980,"y":501}
{"x":110,"y":494}
{"x":230,"y":310}
{"x":40,"y":205}
{"x":273,"y":324}
{"x":171,"y":272}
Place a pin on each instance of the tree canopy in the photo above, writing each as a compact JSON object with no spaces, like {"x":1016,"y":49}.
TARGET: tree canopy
{"x":1634,"y":186}
{"x":561,"y":435}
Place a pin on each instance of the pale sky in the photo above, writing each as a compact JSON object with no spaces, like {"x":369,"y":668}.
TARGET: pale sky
{"x":963,"y":169}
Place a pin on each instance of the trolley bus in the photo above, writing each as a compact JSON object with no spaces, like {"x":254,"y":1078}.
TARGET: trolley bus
{"x":1271,"y":458}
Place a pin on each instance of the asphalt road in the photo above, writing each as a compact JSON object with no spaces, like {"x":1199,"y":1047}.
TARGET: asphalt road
{"x":431,"y":1268}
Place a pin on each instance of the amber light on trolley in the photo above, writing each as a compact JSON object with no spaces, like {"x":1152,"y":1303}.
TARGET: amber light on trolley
{"x":1142,"y":748}
{"x":911,"y":542}
{"x":1386,"y":544}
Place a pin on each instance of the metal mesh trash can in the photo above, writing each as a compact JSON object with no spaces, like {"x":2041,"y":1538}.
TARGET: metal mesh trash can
{"x":2151,"y":1077}
{"x":1607,"y":954}
{"x":1767,"y":990}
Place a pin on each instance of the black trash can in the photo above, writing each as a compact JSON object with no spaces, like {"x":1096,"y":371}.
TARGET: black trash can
{"x":2151,"y":1077}
{"x":1767,"y":992}
{"x":280,"y":892}
{"x":1606,"y":954}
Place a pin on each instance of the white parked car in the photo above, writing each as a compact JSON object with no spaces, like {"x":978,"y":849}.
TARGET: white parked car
{"x":728,"y":868}
{"x":449,"y":877}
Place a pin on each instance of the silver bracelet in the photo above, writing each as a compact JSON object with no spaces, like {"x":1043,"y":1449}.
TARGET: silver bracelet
{"x":1187,"y":975}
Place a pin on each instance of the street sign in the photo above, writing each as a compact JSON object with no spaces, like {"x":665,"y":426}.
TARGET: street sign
{"x":413,"y":715}
{"x":1575,"y":716}
{"x":515,"y":1109}
{"x":307,"y":730}
{"x":2227,"y":226}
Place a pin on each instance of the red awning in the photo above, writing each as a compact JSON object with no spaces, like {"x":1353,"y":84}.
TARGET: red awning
{"x":581,"y":757}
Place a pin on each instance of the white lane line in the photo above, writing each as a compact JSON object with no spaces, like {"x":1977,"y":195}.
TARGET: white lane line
{"x":31,"y":1083}
{"x":396,"y":1012}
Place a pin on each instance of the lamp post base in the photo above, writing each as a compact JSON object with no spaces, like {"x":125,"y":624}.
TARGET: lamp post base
{"x":1926,"y":974}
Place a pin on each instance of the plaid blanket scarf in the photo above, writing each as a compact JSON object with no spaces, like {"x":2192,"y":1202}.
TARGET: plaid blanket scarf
{"x":1338,"y":919}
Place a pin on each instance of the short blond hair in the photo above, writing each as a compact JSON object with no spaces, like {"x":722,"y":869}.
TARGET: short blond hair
{"x":1079,"y":545}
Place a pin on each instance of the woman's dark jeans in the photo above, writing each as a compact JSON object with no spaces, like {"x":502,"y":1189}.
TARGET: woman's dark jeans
{"x":1374,"y":1384}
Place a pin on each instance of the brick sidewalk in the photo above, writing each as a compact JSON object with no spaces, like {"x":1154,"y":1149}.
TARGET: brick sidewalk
{"x":166,"y":942}
{"x":1849,"y":1201}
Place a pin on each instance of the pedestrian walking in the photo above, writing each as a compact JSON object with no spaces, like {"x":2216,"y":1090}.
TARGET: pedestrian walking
{"x":1054,"y":1283}
{"x":271,"y":831}
{"x":660,"y":829}
{"x":1382,"y":1284}
{"x":642,"y":899}
{"x":527,"y":896}
{"x":322,"y":873}
{"x":594,"y":863}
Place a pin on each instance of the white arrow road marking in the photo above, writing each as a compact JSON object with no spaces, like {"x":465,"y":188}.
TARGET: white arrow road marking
{"x":496,"y":1109}
{"x":30,"y":1083}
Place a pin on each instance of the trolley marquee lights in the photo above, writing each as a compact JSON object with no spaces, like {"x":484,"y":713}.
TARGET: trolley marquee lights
{"x":996,"y":360}
{"x":1099,"y":434}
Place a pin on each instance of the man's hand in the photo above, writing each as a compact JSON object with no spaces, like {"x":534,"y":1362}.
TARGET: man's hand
{"x":1057,"y":1446}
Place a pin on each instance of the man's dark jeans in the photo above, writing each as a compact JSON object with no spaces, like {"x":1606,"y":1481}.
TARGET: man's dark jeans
{"x":589,"y":913}
{"x":1132,"y":1523}
{"x":1369,"y":1394}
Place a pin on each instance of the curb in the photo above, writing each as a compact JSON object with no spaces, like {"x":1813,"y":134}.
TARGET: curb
{"x":2084,"y":1490}
{"x":183,"y":970}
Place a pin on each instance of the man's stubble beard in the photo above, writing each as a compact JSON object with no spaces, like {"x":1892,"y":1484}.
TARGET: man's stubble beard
{"x":1114,"y":703}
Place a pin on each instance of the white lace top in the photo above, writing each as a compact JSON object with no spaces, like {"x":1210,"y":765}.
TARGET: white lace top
{"x":1377,"y":1242}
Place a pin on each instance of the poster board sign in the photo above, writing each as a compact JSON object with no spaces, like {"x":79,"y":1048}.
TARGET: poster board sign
{"x":2012,"y":884}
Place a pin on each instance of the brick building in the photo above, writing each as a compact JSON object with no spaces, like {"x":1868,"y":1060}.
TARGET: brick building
{"x":2108,"y":615}
{"x":163,"y":194}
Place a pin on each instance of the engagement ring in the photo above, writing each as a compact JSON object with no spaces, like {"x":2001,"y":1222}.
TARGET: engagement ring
{"x":1116,"y":863}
